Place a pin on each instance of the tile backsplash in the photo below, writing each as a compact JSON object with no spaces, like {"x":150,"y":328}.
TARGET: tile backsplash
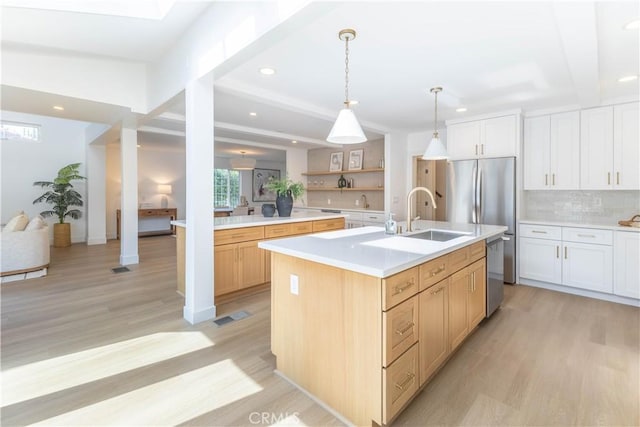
{"x":588,"y":207}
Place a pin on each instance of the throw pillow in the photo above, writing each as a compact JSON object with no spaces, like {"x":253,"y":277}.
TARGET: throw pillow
{"x":17,"y":223}
{"x":36,"y":223}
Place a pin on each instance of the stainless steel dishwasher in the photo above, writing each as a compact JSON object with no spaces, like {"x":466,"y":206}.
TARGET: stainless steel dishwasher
{"x":495,"y":272}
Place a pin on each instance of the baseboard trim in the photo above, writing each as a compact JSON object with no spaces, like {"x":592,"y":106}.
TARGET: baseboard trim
{"x":97,"y":241}
{"x":199,"y":316}
{"x":129,"y":259}
{"x":581,"y":292}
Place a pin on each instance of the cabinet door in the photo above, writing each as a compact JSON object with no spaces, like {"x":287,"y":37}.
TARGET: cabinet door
{"x":626,"y":148}
{"x":596,"y":148}
{"x":434,"y":328}
{"x":588,"y":266}
{"x":498,"y":137}
{"x":463,"y":140}
{"x":626,"y":250}
{"x":477,"y":304}
{"x":250,"y":264}
{"x":540,"y":260}
{"x":564,"y":148}
{"x":458,"y":311}
{"x":536,"y":153}
{"x":225,"y":269}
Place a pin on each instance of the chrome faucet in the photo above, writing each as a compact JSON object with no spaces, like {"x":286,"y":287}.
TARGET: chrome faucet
{"x":411,"y":193}
{"x":364,"y":199}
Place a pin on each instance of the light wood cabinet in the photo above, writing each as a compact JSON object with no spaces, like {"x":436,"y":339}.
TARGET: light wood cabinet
{"x":238,"y":266}
{"x":626,"y":252}
{"x":609,"y":148}
{"x":477,"y":304}
{"x":458,"y":308}
{"x":400,"y":383}
{"x":495,"y":137}
{"x":551,"y":152}
{"x":400,"y":329}
{"x":225,"y":270}
{"x":434,"y":329}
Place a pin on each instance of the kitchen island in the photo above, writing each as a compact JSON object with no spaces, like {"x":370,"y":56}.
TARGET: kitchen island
{"x":240,"y":266}
{"x":362,"y":320}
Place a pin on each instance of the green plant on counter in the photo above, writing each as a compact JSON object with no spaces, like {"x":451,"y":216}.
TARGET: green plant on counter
{"x":281,"y":186}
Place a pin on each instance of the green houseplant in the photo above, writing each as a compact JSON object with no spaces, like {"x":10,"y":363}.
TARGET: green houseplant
{"x":286,"y":192}
{"x":63,"y":198}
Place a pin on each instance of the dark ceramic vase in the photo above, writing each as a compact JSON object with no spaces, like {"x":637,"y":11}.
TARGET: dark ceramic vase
{"x":284,"y":203}
{"x":268,"y":209}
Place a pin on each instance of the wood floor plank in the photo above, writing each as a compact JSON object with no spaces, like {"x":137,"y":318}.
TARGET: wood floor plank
{"x":85,"y":346}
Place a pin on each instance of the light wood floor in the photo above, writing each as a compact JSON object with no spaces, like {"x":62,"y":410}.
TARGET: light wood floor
{"x":84,"y":346}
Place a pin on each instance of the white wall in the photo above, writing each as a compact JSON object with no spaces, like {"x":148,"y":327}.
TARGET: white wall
{"x":23,"y":163}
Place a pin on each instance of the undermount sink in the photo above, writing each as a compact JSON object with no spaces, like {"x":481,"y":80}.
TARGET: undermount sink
{"x":437,"y":235}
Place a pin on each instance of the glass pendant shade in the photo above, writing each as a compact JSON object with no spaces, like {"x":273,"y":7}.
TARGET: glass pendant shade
{"x":346,"y":129}
{"x":435,"y":150}
{"x":242,"y":163}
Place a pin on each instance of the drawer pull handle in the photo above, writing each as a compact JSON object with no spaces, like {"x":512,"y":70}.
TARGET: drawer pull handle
{"x":546,"y":179}
{"x":538,"y":232}
{"x":608,"y":178}
{"x":438,"y":270}
{"x":565,"y":252}
{"x":618,"y":178}
{"x":586,"y":235}
{"x":557,"y":251}
{"x":399,"y":290}
{"x":409,"y":379}
{"x":406,"y":329}
{"x":476,"y":149}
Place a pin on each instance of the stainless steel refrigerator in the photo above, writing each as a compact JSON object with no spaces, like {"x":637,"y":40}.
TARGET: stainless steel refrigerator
{"x":484,"y":192}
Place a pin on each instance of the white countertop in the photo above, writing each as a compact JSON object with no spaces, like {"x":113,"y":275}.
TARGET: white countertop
{"x":227,"y":222}
{"x":581,"y":225}
{"x":369,"y":250}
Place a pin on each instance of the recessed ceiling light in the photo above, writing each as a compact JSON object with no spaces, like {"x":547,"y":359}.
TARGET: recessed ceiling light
{"x":353,"y":102}
{"x":633,"y":25}
{"x":253,"y":114}
{"x":628,"y":78}
{"x":58,"y":107}
{"x":267,"y":71}
{"x":461,"y":109}
{"x":294,"y":142}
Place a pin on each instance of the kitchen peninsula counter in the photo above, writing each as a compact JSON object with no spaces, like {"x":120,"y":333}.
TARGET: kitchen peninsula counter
{"x":362,"y":320}
{"x":225,"y":223}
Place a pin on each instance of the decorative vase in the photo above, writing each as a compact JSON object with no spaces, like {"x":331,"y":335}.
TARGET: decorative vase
{"x":61,"y":235}
{"x":268,"y":209}
{"x":342,"y":182}
{"x":284,"y":203}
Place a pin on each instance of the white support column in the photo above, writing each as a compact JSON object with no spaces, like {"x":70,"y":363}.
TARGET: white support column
{"x":96,"y":207}
{"x":198,"y":302}
{"x":129,"y":196}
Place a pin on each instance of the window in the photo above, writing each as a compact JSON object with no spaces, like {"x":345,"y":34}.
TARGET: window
{"x":226,"y":188}
{"x":15,"y":131}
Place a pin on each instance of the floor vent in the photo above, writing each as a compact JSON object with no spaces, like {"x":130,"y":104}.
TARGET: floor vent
{"x":120,"y":270}
{"x":221,"y":321}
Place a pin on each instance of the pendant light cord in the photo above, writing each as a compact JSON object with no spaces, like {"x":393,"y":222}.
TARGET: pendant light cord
{"x":435,"y":134}
{"x":346,"y":71}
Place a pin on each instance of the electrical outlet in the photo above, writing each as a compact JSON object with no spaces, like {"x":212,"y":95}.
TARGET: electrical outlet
{"x":395,"y":200}
{"x":357,"y":202}
{"x":328,"y":201}
{"x":293,"y":284}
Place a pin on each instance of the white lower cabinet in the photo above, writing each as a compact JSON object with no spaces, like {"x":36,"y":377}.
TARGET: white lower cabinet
{"x":588,"y":266}
{"x":540,"y":260}
{"x":626,"y":252}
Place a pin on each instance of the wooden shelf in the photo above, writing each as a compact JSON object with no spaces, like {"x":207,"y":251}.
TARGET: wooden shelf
{"x":346,"y":189}
{"x":317,"y":173}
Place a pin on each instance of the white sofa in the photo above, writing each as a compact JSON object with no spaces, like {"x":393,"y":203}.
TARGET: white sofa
{"x":24,"y":254}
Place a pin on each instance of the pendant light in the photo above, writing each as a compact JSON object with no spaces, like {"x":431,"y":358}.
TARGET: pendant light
{"x":242,"y":163}
{"x":346,"y":129}
{"x":435,"y":150}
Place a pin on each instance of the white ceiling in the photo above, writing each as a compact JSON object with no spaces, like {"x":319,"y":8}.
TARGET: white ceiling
{"x":488,"y":56}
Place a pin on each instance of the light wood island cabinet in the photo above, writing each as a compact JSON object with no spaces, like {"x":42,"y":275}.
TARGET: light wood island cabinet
{"x":364,"y":345}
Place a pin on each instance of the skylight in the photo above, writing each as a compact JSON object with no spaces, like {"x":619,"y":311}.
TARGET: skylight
{"x":145,"y":9}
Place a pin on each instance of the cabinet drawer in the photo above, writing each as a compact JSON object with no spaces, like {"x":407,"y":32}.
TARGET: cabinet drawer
{"x":400,"y":329}
{"x":477,"y":251}
{"x":399,"y":383}
{"x":459,"y":259}
{"x":373,"y":217}
{"x":301,"y":227}
{"x":587,"y":235}
{"x":236,"y":235}
{"x":328,"y":224}
{"x":541,"y":231}
{"x":431,"y":272}
{"x":399,"y":287}
{"x":278,"y":230}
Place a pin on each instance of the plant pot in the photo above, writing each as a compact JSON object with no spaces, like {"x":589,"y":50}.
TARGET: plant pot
{"x":61,"y":235}
{"x":284,"y":203}
{"x":268,"y":209}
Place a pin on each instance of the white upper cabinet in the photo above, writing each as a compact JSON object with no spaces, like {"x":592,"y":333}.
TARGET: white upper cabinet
{"x":551,"y":147}
{"x":495,"y":137}
{"x":609,"y":148}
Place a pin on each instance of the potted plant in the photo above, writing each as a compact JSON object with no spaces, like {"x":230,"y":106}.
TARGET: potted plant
{"x":286,"y":192}
{"x":63,"y":197}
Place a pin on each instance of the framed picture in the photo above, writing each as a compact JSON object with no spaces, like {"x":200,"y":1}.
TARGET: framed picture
{"x":336,"y":162}
{"x":355,"y":160}
{"x":260,"y":179}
